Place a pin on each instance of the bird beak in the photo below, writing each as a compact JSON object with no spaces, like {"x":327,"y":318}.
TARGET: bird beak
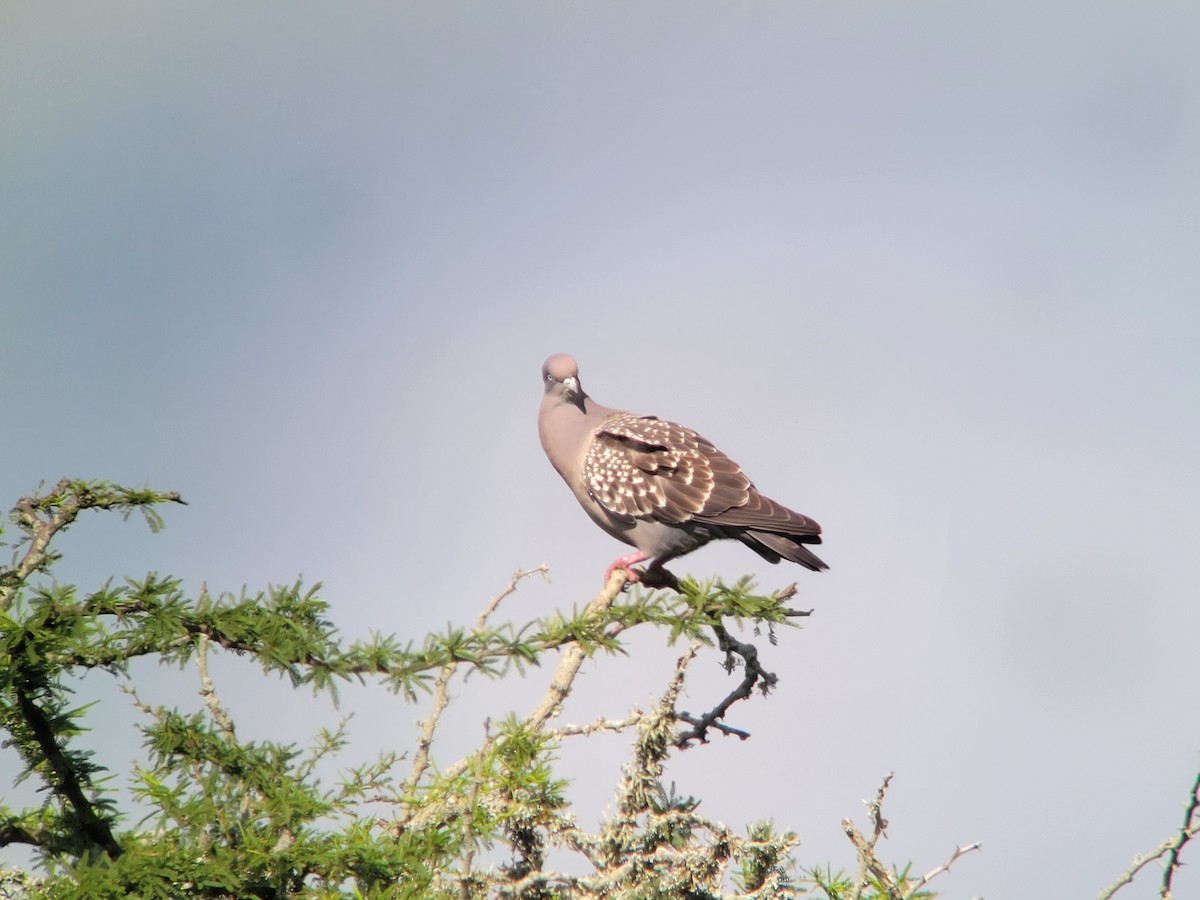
{"x":574,"y":394}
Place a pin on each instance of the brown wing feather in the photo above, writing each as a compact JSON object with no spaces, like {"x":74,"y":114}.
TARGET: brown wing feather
{"x":641,"y":466}
{"x":763,"y":513}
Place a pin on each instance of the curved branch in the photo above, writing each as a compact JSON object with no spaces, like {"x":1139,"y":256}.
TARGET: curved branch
{"x":1169,"y":848}
{"x":60,"y":508}
{"x":1186,"y":832}
{"x":441,"y":692}
{"x":67,"y":782}
{"x":560,"y":686}
{"x":573,"y":657}
{"x":755,"y":674}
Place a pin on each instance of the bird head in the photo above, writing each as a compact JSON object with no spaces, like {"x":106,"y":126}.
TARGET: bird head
{"x":560,"y":379}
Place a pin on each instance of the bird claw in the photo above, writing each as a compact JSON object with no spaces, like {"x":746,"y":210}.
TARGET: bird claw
{"x":625,"y":562}
{"x":655,"y":577}
{"x":652,"y":576}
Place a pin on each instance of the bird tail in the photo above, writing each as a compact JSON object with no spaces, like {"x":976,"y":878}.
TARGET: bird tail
{"x":774,"y":547}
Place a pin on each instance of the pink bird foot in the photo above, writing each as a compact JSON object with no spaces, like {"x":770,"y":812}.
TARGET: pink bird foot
{"x":624,"y":563}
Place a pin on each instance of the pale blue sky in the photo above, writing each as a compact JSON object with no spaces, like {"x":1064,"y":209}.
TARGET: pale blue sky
{"x":928,"y":271}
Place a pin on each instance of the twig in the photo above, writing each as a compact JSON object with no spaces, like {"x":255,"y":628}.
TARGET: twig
{"x":944,"y":867}
{"x":1169,"y":848}
{"x":875,"y":810}
{"x":1186,"y":831}
{"x":64,"y":503}
{"x":223,"y":721}
{"x":573,"y":657}
{"x":441,"y":691}
{"x":470,"y":841}
{"x":886,"y":880}
{"x":564,"y":676}
{"x":754,"y":675}
{"x":701,"y":724}
{"x":65,"y":779}
{"x":40,"y":532}
{"x":510,"y":588}
{"x":635,"y":717}
{"x":868,"y":861}
{"x":642,"y":774}
{"x":1140,"y":861}
{"x":207,"y":691}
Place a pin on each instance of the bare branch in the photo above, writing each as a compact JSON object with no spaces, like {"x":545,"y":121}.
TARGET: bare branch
{"x":868,"y":861}
{"x":1140,"y":861}
{"x":944,"y":867}
{"x":572,"y":658}
{"x":875,"y":810}
{"x":40,"y":531}
{"x":870,"y":867}
{"x":441,"y":691}
{"x":701,"y":724}
{"x":1171,"y":846}
{"x":754,"y":675}
{"x":564,"y":676}
{"x":441,"y":699}
{"x":635,"y":716}
{"x":470,"y":841}
{"x":1186,"y":832}
{"x":640,"y":778}
{"x":510,"y":588}
{"x":207,"y":691}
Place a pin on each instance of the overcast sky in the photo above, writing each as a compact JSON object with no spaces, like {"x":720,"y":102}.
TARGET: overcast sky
{"x":929,"y":271}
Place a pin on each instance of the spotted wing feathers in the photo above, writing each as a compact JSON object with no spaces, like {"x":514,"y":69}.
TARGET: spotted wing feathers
{"x":644,"y":467}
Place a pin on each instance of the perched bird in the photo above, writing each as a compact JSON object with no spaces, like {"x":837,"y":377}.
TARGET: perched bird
{"x":656,"y":485}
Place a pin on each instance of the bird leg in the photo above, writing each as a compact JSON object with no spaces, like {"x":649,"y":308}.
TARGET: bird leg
{"x":652,"y":576}
{"x":624,"y":563}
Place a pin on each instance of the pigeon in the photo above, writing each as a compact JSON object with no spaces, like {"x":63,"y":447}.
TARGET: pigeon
{"x":659,"y":486}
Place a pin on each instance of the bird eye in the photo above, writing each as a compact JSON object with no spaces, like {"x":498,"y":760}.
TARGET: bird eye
{"x":549,"y":377}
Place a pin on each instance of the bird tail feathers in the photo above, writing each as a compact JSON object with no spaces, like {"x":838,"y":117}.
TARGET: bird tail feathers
{"x":774,"y":547}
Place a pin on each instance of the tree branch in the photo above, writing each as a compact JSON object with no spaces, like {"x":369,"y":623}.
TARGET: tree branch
{"x":441,"y":692}
{"x":944,"y":867}
{"x":1169,"y":848}
{"x":868,"y":861}
{"x":42,"y":517}
{"x":635,"y":716}
{"x":572,"y":658}
{"x":754,"y":675}
{"x":66,"y":782}
{"x":560,"y":686}
{"x":887,"y":882}
{"x":209,"y":693}
{"x":1186,"y":832}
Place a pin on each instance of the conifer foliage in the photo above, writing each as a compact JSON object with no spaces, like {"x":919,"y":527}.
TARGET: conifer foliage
{"x":212,"y":814}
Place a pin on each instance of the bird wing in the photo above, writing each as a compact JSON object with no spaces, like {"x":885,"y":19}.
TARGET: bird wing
{"x":644,"y":467}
